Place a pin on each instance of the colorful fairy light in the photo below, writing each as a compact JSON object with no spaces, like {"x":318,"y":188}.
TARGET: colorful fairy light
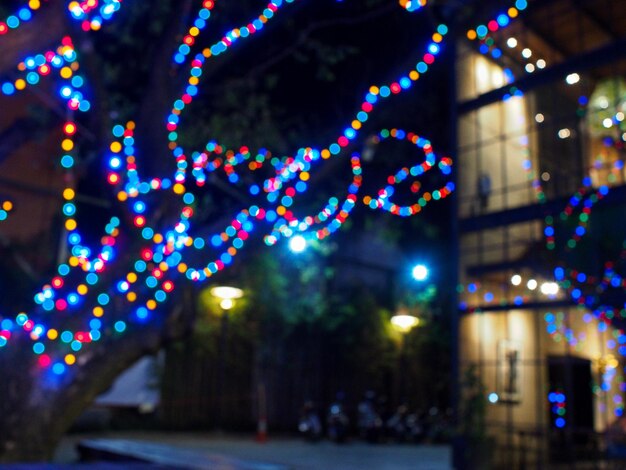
{"x":23,"y":15}
{"x":5,"y":208}
{"x":92,"y":13}
{"x":558,"y":408}
{"x":168,"y":253}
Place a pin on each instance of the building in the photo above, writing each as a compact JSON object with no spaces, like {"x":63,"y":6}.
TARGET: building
{"x":541,"y":102}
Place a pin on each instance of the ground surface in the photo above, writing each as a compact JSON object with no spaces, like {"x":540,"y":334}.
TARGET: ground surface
{"x":292,"y":453}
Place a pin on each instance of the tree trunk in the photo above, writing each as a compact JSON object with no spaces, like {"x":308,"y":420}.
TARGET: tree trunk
{"x":37,"y":408}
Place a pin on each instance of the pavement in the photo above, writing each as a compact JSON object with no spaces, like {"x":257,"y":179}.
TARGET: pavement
{"x":233,"y":452}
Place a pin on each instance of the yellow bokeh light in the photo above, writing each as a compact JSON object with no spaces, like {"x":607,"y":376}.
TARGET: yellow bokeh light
{"x":67,"y":145}
{"x":98,"y":311}
{"x":116,"y":147}
{"x":66,"y":72}
{"x":53,"y":334}
{"x":70,"y":224}
{"x":68,"y":194}
{"x":70,"y":359}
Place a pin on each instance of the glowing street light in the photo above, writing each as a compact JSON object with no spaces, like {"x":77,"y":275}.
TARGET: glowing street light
{"x":404,"y":322}
{"x":227,"y":296}
{"x":420,"y":272}
{"x":297,"y":244}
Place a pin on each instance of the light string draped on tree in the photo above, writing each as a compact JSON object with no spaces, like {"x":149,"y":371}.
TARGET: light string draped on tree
{"x":150,"y":281}
{"x":90,"y":13}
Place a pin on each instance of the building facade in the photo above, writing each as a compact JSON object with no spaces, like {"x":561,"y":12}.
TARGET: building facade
{"x":541,"y":97}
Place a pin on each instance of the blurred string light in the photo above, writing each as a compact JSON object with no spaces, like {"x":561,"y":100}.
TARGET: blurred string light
{"x":23,"y":15}
{"x":91,"y":14}
{"x":487,"y":45}
{"x":557,"y":329}
{"x":5,"y":208}
{"x":558,"y":408}
{"x":383,"y":199}
{"x":149,"y":282}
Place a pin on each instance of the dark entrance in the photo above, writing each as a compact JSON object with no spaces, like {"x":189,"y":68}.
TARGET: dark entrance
{"x":570,"y":400}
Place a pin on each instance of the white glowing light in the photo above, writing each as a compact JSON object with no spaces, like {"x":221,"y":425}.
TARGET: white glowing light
{"x":572,"y":78}
{"x":516,"y":280}
{"x":297,"y":244}
{"x":549,"y":288}
{"x":226,"y":292}
{"x":404,"y":322}
{"x":531,"y":284}
{"x":420,"y":272}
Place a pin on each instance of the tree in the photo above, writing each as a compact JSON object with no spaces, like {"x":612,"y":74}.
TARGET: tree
{"x":111,"y":297}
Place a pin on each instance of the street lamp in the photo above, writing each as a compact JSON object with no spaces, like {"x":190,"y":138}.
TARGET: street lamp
{"x":420,"y":272}
{"x":403,"y":322}
{"x":297,"y":244}
{"x":226,"y":295}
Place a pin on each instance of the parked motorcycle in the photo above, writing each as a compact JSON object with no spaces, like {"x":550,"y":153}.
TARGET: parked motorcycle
{"x":337,"y":421}
{"x":369,"y":423}
{"x":310,"y":424}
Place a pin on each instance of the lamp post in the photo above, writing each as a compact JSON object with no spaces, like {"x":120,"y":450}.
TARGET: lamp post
{"x":403,"y":322}
{"x":227,"y":296}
